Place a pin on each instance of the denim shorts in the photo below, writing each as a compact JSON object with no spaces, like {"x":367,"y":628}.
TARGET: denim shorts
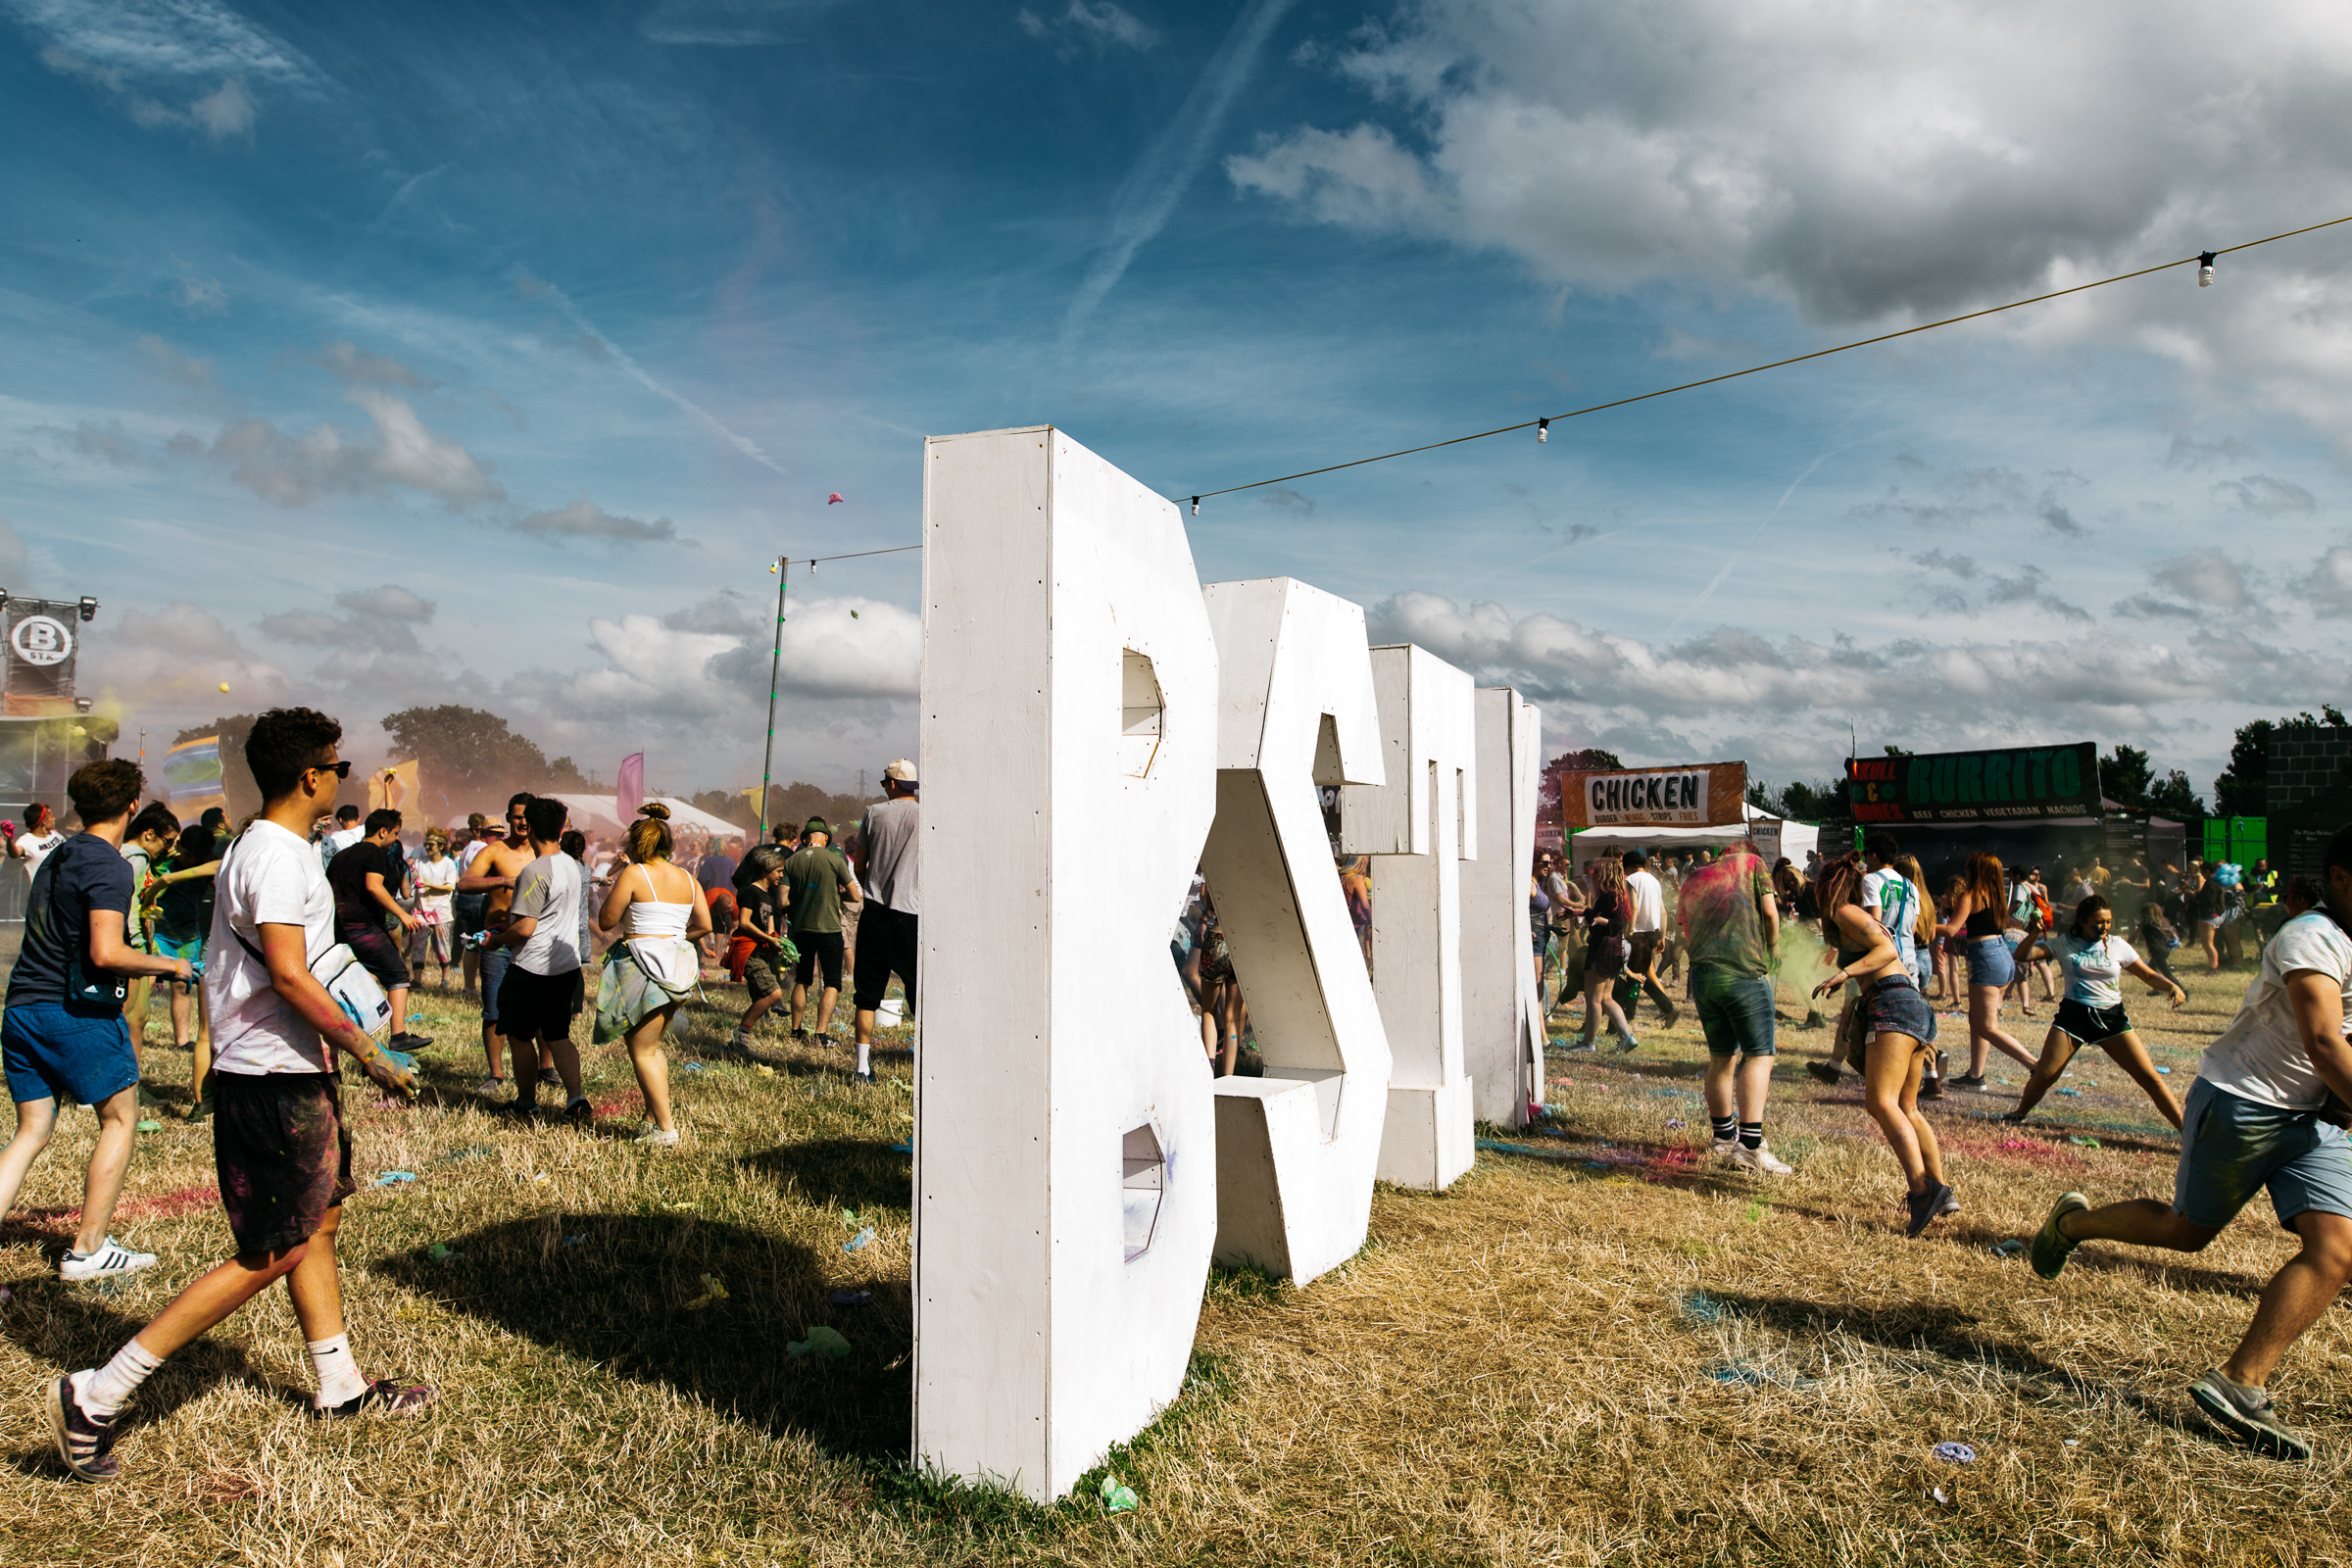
{"x":2231,"y":1146}
{"x":1892,"y":1006}
{"x":1735,"y":1011}
{"x":495,"y":963}
{"x":72,"y":1057}
{"x":1991,"y":962}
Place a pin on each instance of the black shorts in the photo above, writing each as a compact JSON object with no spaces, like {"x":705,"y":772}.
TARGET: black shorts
{"x":377,"y":954}
{"x":538,"y":1006}
{"x":885,"y":946}
{"x":282,"y":1154}
{"x":814,"y":946}
{"x":2089,"y":1025}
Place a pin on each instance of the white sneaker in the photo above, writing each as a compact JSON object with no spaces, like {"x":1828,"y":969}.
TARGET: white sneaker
{"x":1762,"y":1159}
{"x":1725,"y":1149}
{"x":658,"y":1138}
{"x":112,"y":1260}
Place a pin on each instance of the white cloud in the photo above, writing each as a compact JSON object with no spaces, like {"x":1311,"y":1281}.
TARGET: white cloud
{"x":182,"y":369}
{"x":713,"y":661}
{"x":200,"y":295}
{"x":2329,"y":581}
{"x":2204,"y":577}
{"x":288,"y":470}
{"x":169,"y":666}
{"x":2260,"y":493}
{"x":350,"y":364}
{"x":228,"y":112}
{"x":1102,"y":25}
{"x":585,"y":519}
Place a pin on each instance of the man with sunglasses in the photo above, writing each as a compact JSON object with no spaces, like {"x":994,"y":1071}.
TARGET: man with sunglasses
{"x":279,"y":1140}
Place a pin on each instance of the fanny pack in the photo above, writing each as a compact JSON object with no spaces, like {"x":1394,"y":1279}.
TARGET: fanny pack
{"x":339,"y":970}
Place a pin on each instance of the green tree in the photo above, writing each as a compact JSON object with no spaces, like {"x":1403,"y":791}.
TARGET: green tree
{"x":564,"y":774}
{"x":2125,"y":776}
{"x":2176,"y":799}
{"x":469,"y":759}
{"x":1589,"y":760}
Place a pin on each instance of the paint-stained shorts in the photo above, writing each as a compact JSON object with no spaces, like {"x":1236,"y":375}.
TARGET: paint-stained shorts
{"x":284,"y":1155}
{"x":2232,"y":1147}
{"x":1735,"y":1011}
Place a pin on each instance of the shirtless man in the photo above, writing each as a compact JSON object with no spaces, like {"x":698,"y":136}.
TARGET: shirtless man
{"x":493,"y":873}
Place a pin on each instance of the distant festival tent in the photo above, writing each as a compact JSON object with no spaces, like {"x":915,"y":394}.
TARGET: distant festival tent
{"x":600,"y":813}
{"x":192,"y":778}
{"x":1775,"y":837}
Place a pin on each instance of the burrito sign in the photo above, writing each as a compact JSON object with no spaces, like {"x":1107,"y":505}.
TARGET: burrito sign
{"x":2021,"y":783}
{"x":1701,"y":795}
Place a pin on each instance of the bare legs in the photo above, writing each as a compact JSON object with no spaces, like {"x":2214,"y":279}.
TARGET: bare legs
{"x":1738,"y":1085}
{"x":1598,"y":999}
{"x":1890,"y":1093}
{"x":102,"y":1186}
{"x":2125,"y":1050}
{"x":1984,"y":1030}
{"x":652,"y":1066}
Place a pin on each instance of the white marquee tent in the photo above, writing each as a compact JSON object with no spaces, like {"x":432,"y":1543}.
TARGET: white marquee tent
{"x":598,"y":814}
{"x":1795,"y":838}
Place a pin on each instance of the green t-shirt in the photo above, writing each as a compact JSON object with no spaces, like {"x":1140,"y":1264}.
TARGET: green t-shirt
{"x":815,"y":878}
{"x":1719,"y":914}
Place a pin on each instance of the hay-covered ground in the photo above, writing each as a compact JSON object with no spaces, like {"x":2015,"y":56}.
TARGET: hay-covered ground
{"x":1606,"y":1350}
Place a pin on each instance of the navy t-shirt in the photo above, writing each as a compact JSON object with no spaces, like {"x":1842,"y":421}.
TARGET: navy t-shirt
{"x":81,"y":874}
{"x":716,"y":871}
{"x":355,"y":906}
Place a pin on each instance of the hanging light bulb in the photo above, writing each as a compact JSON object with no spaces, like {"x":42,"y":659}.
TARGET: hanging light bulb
{"x":1196,"y":505}
{"x":1543,"y":430}
{"x":2205,"y":269}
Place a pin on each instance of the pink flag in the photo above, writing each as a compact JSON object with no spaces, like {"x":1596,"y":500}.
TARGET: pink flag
{"x":628,"y":788}
{"x":834,"y":499}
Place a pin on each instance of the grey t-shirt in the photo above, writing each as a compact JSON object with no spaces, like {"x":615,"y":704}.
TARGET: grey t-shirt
{"x":893,"y":863}
{"x":549,"y":892}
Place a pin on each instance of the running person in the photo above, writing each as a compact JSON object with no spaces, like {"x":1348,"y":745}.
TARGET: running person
{"x":760,"y":952}
{"x":279,"y":1140}
{"x":2095,"y":961}
{"x":184,"y":918}
{"x":2254,"y":1119}
{"x":1893,"y":1024}
{"x":368,"y":889}
{"x":659,"y":911}
{"x":1608,"y":920}
{"x":148,"y":839}
{"x":1979,"y":913}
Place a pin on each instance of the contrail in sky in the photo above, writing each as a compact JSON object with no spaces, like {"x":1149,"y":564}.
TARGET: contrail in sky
{"x":636,"y":372}
{"x":1733,"y":559}
{"x":1168,"y":167}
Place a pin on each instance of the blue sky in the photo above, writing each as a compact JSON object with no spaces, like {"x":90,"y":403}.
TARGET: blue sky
{"x":379,"y":356}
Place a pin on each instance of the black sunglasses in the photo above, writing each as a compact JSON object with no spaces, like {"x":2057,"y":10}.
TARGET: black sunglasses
{"x":340,"y":769}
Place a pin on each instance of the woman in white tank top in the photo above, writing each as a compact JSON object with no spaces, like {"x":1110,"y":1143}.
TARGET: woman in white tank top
{"x":660,"y":910}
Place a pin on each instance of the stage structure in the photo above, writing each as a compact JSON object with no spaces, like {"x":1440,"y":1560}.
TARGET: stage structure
{"x":1296,"y":1148}
{"x":1094,"y":726}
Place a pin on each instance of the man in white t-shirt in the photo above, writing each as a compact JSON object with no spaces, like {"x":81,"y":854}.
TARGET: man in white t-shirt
{"x":2254,"y":1119}
{"x":279,"y":1142}
{"x":542,"y":990}
{"x":39,"y":837}
{"x":1647,"y":931}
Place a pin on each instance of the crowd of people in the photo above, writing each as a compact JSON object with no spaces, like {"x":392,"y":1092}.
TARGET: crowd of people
{"x":289,"y":939}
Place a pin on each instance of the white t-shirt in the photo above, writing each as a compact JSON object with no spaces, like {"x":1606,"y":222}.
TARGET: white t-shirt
{"x":2094,"y":970}
{"x":465,"y":855}
{"x":434,"y":907}
{"x":1890,"y":900}
{"x":2260,"y":1056}
{"x":549,"y":893}
{"x":36,"y":848}
{"x":1649,"y":901}
{"x":270,"y":878}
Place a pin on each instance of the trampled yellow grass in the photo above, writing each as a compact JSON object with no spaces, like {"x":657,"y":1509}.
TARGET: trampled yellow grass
{"x":1601,"y":1348}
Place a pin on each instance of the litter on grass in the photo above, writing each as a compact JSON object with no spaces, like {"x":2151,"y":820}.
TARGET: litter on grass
{"x":1676,"y":1121}
{"x":574,"y":1241}
{"x":393,"y":1178}
{"x":1117,"y":1499}
{"x":821,"y":1341}
{"x":150,"y":1126}
{"x":2008,"y":1248}
{"x":2070,"y":1091}
{"x":857,"y":1240}
{"x":1955,"y":1453}
{"x":2085,"y":1143}
{"x":713,"y":1291}
{"x":442,"y":1252}
{"x":902,"y":1146}
{"x":852,"y":1298}
{"x":1699,"y":1307}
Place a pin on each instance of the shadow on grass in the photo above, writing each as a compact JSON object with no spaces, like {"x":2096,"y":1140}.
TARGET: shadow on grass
{"x":840,"y":1172}
{"x":620,"y":1298}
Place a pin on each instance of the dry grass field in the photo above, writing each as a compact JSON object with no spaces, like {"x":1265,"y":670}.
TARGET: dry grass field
{"x":1594,"y":1349}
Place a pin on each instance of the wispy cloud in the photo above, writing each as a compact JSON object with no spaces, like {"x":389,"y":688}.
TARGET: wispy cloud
{"x":585,"y":519}
{"x":1102,"y":25}
{"x":1174,"y":159}
{"x":537,"y":286}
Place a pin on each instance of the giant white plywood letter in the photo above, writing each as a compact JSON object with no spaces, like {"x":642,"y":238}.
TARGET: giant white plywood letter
{"x":1419,"y":826}
{"x":1296,"y":1148}
{"x":1502,"y":1013}
{"x":1065,"y":1166}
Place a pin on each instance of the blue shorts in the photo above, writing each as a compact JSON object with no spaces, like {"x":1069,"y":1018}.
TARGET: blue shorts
{"x":1991,"y":962}
{"x":72,"y":1057}
{"x":2230,"y":1148}
{"x":1735,"y":1011}
{"x":495,"y":963}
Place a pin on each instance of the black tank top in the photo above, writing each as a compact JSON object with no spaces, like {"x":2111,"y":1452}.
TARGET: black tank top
{"x":1983,"y":923}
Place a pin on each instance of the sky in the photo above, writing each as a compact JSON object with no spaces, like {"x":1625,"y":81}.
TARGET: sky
{"x":377,"y":357}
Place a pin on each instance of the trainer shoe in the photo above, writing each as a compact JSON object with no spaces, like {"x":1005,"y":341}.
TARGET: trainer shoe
{"x":1823,"y":1071}
{"x":412,"y":1042}
{"x":862,"y":1080}
{"x":2247,"y":1414}
{"x":85,"y":1442}
{"x":112,"y":1260}
{"x":549,"y":1080}
{"x":1581,"y":1048}
{"x":1930,"y":1089}
{"x":492,"y":1088}
{"x":1725,"y":1149}
{"x":384,"y":1397}
{"x":1627,"y":1045}
{"x":1762,"y":1160}
{"x":1970,"y":1080}
{"x":1925,"y":1207}
{"x":1949,"y":1205}
{"x":579,"y":1112}
{"x":657,"y":1138}
{"x":2051,"y":1247}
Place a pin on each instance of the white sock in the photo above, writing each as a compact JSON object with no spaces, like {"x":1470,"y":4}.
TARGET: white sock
{"x":110,"y":1388}
{"x":866,"y":1059}
{"x":339,"y":1379}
